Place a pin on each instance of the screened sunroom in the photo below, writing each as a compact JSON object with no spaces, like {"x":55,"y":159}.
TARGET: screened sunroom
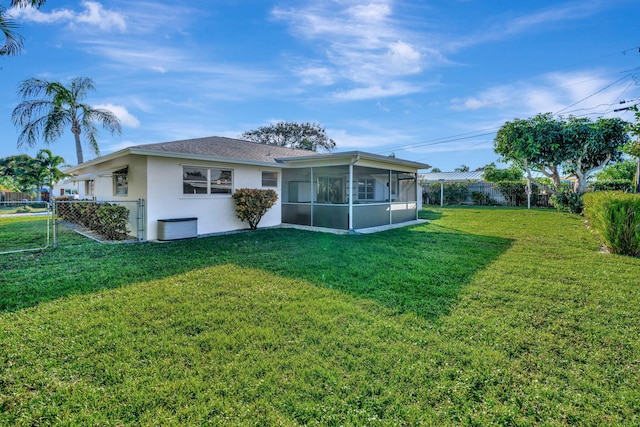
{"x":349,"y":191}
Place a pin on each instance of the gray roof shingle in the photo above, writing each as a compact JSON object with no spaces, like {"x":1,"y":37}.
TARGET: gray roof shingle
{"x":227,"y":148}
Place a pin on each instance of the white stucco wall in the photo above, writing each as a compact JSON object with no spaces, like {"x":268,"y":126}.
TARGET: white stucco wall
{"x":216,"y":212}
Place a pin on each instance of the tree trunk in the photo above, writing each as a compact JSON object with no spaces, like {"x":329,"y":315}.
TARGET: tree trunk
{"x":581,"y":184}
{"x":76,"y":133}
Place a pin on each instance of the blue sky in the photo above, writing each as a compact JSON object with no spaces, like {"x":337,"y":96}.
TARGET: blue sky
{"x":430,"y":81}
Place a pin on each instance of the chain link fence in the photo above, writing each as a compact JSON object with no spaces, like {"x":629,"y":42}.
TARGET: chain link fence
{"x":24,"y":226}
{"x":101,"y":221}
{"x":484,"y":193}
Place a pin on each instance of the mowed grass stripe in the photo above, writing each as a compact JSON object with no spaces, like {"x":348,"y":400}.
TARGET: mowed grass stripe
{"x":481,"y":317}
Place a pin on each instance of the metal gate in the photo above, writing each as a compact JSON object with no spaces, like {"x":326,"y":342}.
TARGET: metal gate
{"x":25,"y":226}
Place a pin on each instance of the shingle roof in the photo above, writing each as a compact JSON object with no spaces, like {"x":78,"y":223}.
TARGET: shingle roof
{"x":227,"y":148}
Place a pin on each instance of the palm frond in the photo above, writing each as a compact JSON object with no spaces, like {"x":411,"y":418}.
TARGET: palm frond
{"x":32,"y":87}
{"x":24,"y":111}
{"x":90,"y":133}
{"x":26,"y":3}
{"x":13,"y":41}
{"x":80,"y":86}
{"x":55,"y":124}
{"x":106,"y":118}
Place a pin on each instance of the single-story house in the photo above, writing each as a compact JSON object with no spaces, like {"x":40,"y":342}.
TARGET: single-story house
{"x":195,"y":178}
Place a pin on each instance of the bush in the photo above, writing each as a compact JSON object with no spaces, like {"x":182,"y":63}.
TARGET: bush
{"x":615,"y":217}
{"x":480,"y":198}
{"x":625,"y":185}
{"x":455,"y":193}
{"x":514,"y":192}
{"x":252,"y":204}
{"x":112,"y":220}
{"x":107,"y":219}
{"x":567,"y":200}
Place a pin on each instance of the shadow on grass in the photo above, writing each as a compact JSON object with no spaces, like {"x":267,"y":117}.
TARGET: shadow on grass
{"x":414,"y":269}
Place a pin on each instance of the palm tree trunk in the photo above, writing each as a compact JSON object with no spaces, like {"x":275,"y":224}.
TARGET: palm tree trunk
{"x":76,"y":133}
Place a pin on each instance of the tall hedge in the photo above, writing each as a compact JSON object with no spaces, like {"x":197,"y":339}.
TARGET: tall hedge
{"x":615,"y":217}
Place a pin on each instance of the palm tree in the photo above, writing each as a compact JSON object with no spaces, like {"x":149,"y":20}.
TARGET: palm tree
{"x":60,"y":107}
{"x":13,"y":42}
{"x":51,"y":162}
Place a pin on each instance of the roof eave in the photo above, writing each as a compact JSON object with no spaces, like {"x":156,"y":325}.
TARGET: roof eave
{"x":354,"y":156}
{"x":171,"y":154}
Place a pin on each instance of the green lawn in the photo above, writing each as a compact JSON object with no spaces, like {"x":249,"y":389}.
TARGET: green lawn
{"x":482,"y":316}
{"x":29,"y":232}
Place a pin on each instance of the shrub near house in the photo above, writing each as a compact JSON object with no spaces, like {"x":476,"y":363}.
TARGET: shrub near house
{"x":252,"y":204}
{"x":107,"y":219}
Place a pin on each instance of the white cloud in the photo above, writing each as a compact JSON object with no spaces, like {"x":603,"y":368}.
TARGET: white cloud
{"x":126,"y":118}
{"x":492,"y":31}
{"x":93,"y":14}
{"x":579,"y":93}
{"x":358,"y":42}
{"x":111,"y":148}
{"x":316,"y":75}
{"x":377,"y":91}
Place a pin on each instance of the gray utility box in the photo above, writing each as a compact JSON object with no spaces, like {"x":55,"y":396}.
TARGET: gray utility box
{"x":177,"y":228}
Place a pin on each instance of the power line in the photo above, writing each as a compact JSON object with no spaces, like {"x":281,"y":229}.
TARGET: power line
{"x":593,"y":94}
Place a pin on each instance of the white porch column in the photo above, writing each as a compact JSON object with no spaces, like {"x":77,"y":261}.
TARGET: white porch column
{"x":350,"y":196}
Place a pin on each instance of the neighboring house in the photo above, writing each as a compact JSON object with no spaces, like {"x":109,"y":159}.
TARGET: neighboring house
{"x":70,"y":187}
{"x":195,"y":178}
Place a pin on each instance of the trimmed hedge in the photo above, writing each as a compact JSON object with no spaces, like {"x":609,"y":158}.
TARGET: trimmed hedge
{"x":625,"y":185}
{"x":615,"y":217}
{"x":108,"y":220}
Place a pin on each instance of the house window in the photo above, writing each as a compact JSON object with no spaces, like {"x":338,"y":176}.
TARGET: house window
{"x":366,"y":189}
{"x":198,"y":180}
{"x":329,"y":190}
{"x":269,"y":179}
{"x":121,"y":182}
{"x":89,"y":187}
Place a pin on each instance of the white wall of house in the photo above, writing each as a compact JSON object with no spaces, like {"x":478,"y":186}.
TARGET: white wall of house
{"x":68,"y":188}
{"x":215,"y":212}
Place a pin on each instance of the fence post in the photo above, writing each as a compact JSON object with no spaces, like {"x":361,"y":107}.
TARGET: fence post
{"x":140,"y":219}
{"x":54,"y":223}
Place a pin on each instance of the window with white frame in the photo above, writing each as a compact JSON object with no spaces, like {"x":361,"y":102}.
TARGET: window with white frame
{"x":89,"y":187}
{"x":269,"y":179}
{"x":329,"y":190}
{"x":202,"y":180}
{"x":366,"y":189}
{"x":121,"y":182}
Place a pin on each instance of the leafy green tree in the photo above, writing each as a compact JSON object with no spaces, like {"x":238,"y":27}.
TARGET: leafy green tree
{"x":462,"y":168}
{"x":535,"y":143}
{"x":13,"y":41}
{"x":60,"y":107}
{"x":592,"y":146}
{"x":624,"y":169}
{"x":8,"y":183}
{"x":492,"y":174}
{"x":306,"y":136}
{"x":20,"y":168}
{"x":551,"y":146}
